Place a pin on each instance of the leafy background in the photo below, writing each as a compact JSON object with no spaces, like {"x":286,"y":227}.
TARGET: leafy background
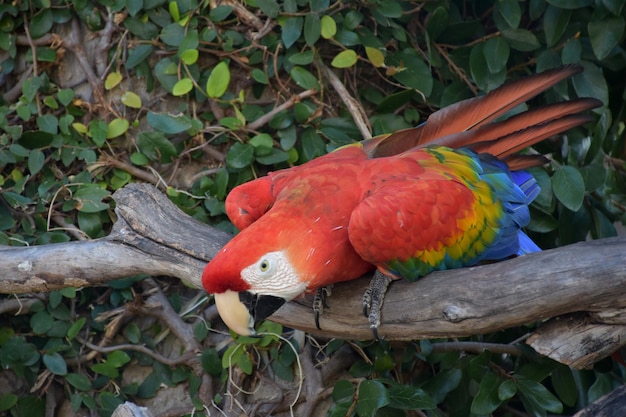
{"x":197,"y":97}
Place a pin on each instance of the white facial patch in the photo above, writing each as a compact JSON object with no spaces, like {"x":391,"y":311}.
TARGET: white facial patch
{"x":274,"y":275}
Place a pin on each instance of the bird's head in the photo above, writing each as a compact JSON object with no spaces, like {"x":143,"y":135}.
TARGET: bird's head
{"x":250,"y":280}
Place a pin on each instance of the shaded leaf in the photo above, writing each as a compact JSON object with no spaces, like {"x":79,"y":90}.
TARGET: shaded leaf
{"x":496,"y":51}
{"x":292,"y":29}
{"x":372,"y":396}
{"x":240,"y":155}
{"x":167,"y":123}
{"x":487,"y":399}
{"x":568,"y":187}
{"x":55,"y":363}
{"x":406,"y":397}
{"x":537,"y":396}
{"x":304,"y":78}
{"x":605,"y":35}
{"x":312,"y":28}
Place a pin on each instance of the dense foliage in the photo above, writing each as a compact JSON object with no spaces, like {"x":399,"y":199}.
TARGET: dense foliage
{"x":197,"y":97}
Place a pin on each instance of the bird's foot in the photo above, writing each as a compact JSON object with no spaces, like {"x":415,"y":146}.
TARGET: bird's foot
{"x":320,"y":301}
{"x":373,"y":300}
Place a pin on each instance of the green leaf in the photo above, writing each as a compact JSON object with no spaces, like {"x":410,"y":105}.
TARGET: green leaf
{"x":487,"y":399}
{"x":211,"y":362}
{"x":372,"y":396}
{"x":156,"y":146}
{"x":190,"y":56}
{"x":112,"y":80}
{"x":133,"y":333}
{"x":304,"y":78}
{"x":507,"y":390}
{"x":375,"y":55}
{"x":117,"y":127}
{"x":312,"y":144}
{"x":48,"y":123}
{"x":88,"y":198}
{"x":276,"y":156}
{"x":65,"y":95}
{"x":570,"y":4}
{"x":220,"y":13}
{"x":78,"y":381}
{"x":343,"y":392}
{"x":240,"y":155}
{"x":569,"y":187}
{"x":437,"y":22}
{"x":555,"y":21}
{"x":328,"y":27}
{"x":407,"y":397}
{"x":564,"y":384}
{"x":55,"y":363}
{"x":269,"y":7}
{"x":118,"y":358}
{"x":411,"y":71}
{"x":496,"y":51}
{"x":132,"y":100}
{"x":312,"y":28}
{"x":510,"y":11}
{"x":36,"y":159}
{"x":591,"y":83}
{"x":182,"y":87}
{"x":263,"y":144}
{"x":521,"y":39}
{"x":76,"y":327}
{"x":344,"y":59}
{"x":105,"y":369}
{"x":41,"y":322}
{"x":605,"y":35}
{"x":443,"y":383}
{"x":138,"y":54}
{"x":537,"y":396}
{"x":218,"y":81}
{"x":41,"y":23}
{"x":302,"y":58}
{"x":259,"y":76}
{"x":168,"y":124}
{"x":172,"y":34}
{"x":7,"y":401}
{"x":292,"y":29}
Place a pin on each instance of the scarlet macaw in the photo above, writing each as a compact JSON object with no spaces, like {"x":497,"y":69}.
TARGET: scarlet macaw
{"x":446,"y":194}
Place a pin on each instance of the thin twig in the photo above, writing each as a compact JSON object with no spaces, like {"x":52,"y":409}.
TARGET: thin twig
{"x":261,"y":121}
{"x":354,"y":107}
{"x":477,"y":347}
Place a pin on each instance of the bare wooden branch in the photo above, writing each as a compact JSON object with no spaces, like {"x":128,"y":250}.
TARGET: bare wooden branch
{"x":612,"y":404}
{"x":154,"y":237}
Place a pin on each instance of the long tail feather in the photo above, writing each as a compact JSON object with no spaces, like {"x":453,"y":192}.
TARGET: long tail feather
{"x":515,"y":142}
{"x":493,"y":132}
{"x":468,"y":114}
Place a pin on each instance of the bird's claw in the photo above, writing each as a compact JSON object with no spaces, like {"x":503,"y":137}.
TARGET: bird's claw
{"x":320,"y":301}
{"x":373,"y":300}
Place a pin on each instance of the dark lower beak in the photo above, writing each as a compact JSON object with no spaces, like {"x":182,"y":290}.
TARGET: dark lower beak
{"x":260,"y":306}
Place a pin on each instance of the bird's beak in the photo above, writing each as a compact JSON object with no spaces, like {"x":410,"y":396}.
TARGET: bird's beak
{"x":241,"y":310}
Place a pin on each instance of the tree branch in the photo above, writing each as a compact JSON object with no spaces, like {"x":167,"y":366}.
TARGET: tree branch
{"x":154,"y":237}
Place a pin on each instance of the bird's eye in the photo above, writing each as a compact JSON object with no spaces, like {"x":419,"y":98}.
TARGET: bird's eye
{"x":264,"y":265}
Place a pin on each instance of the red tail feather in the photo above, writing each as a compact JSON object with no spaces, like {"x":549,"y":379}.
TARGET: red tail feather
{"x":466,"y":123}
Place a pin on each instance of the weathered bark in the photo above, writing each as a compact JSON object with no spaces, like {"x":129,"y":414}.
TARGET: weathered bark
{"x":612,"y":404}
{"x":152,"y":236}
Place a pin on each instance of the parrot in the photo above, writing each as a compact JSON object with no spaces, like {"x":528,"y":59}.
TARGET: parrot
{"x":449,"y":193}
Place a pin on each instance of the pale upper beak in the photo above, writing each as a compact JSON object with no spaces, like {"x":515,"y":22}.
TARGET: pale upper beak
{"x":240,"y":310}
